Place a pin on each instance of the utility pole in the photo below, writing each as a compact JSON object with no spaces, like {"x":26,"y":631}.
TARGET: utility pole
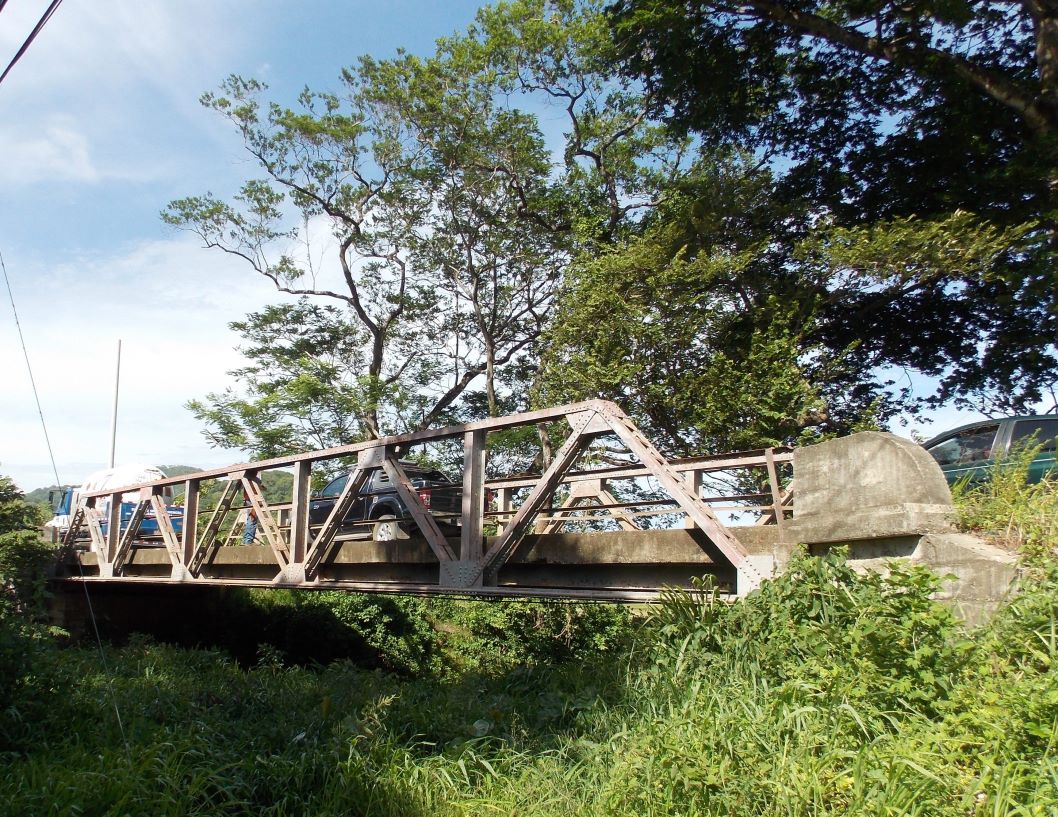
{"x":114,"y":423}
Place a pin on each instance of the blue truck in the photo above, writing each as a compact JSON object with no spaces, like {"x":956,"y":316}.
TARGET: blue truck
{"x":70,"y":497}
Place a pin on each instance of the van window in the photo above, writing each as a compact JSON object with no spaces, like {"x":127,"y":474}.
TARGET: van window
{"x":969,"y":446}
{"x":1045,"y":432}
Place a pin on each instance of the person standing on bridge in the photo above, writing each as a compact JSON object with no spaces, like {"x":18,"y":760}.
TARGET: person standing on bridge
{"x":249,"y":532}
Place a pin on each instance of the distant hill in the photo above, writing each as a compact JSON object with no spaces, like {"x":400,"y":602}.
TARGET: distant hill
{"x":179,"y":470}
{"x":39,"y":496}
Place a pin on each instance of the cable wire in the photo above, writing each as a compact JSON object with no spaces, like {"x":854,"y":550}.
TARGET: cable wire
{"x":29,"y":368}
{"x":32,"y":35}
{"x":58,"y":484}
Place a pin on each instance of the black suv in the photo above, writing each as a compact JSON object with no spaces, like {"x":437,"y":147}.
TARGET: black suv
{"x":380,"y":504}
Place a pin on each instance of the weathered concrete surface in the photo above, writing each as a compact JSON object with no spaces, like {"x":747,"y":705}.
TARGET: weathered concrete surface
{"x":884,"y":498}
{"x":630,"y":559}
{"x":869,"y":485}
{"x":977,"y":576}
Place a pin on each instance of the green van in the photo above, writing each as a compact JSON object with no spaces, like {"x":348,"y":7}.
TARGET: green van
{"x":971,"y":450}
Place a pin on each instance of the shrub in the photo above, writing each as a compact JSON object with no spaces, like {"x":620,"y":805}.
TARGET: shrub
{"x":26,"y":663}
{"x":1009,"y":510}
{"x":497,"y":636}
{"x":826,"y":630}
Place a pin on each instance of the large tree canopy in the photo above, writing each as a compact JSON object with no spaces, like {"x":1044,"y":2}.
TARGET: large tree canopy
{"x":877,"y":113}
{"x":745,"y":221}
{"x":720,"y":327}
{"x":886,"y":108}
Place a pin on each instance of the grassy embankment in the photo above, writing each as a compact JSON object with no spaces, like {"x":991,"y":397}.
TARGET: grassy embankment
{"x":825,"y":693}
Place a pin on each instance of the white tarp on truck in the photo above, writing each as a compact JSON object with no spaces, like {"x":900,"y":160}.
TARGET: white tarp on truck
{"x":116,"y":477}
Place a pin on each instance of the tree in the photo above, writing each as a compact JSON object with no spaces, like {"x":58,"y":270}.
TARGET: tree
{"x":23,"y":555}
{"x":882,"y":112}
{"x":379,"y":167}
{"x":453,"y":223}
{"x":856,"y":91}
{"x":734,"y":321}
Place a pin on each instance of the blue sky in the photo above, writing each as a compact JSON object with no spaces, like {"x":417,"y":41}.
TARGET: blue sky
{"x":100,"y":127}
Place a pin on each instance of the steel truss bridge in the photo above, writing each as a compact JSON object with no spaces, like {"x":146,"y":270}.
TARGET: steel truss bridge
{"x":530,"y":540}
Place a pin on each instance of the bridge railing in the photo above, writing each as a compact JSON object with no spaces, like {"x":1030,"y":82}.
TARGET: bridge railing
{"x":491,"y":534}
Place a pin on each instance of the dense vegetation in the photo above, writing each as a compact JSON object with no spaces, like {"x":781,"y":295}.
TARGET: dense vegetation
{"x":752,"y":213}
{"x":827,"y":692}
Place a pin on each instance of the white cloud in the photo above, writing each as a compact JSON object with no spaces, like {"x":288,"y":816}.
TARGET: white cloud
{"x":54,"y":151}
{"x":109,"y":89}
{"x":170,"y":302}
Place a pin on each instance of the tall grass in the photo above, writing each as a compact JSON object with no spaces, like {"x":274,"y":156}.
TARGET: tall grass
{"x":1009,"y":510}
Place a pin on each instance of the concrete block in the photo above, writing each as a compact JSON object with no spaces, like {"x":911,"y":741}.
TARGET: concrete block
{"x":978,"y":576}
{"x":867,"y":486}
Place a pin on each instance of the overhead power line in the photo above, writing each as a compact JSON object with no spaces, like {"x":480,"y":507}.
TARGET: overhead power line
{"x":29,"y":368}
{"x":58,"y":484}
{"x":32,"y":35}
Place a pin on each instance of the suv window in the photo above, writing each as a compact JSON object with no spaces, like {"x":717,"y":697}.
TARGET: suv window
{"x":1045,"y":432}
{"x":971,"y":445}
{"x":336,"y":486}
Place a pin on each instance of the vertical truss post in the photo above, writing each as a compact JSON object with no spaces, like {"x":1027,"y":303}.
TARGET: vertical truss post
{"x":113,"y":527}
{"x":189,"y":535}
{"x":694,"y":483}
{"x":776,"y":494}
{"x":299,"y":512}
{"x":473,"y":508}
{"x":503,"y":507}
{"x":466,"y":570}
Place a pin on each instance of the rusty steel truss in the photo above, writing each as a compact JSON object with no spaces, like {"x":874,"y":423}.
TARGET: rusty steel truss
{"x":524,"y":522}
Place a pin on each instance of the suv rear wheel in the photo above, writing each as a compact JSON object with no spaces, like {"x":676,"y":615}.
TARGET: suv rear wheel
{"x":388,"y":529}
